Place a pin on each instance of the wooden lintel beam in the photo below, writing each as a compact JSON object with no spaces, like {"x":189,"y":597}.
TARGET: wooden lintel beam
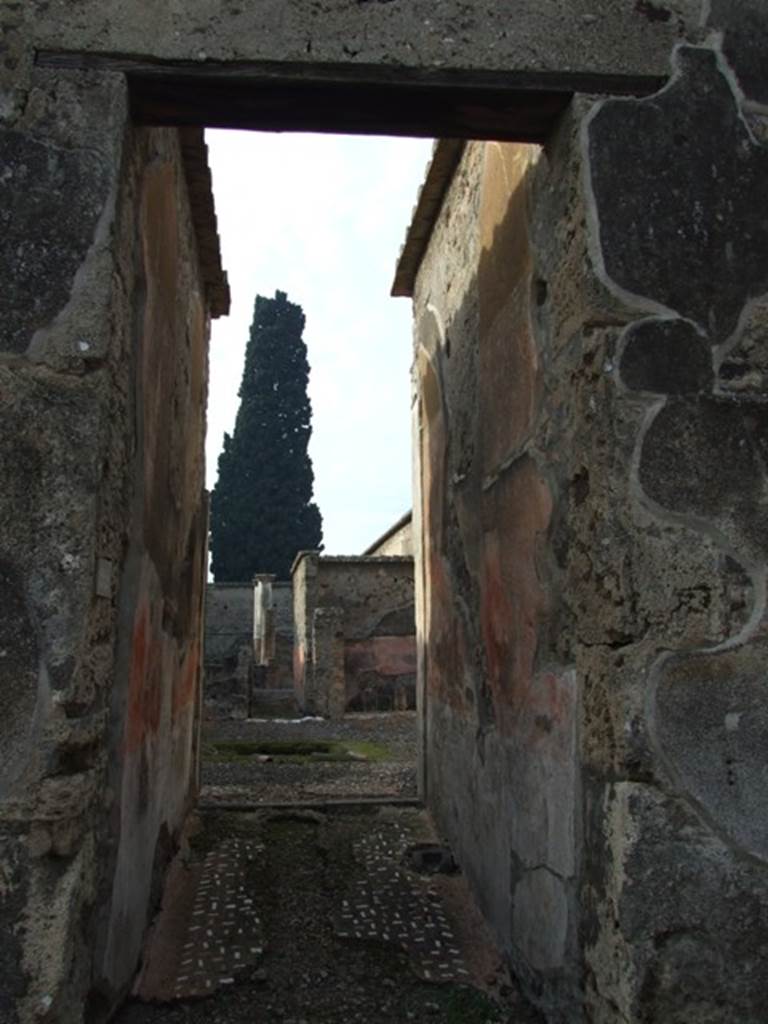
{"x":360,"y":110}
{"x":353,"y":99}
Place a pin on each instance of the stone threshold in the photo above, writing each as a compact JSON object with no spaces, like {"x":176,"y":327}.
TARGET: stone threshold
{"x":312,"y":805}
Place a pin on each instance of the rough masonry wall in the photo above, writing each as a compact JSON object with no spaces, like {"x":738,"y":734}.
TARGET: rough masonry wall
{"x":60,"y":509}
{"x":228,"y":648}
{"x":85,"y":345}
{"x":366,"y":603}
{"x":675,"y":722}
{"x":280,"y":671}
{"x":591,"y":326}
{"x":570,"y":557}
{"x":604,"y":37}
{"x":228,"y":620}
{"x":376,"y":598}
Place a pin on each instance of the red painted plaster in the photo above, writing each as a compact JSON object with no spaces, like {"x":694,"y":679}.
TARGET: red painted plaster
{"x":512,"y":598}
{"x":386,"y":655}
{"x":144,"y":691}
{"x":185,"y":684}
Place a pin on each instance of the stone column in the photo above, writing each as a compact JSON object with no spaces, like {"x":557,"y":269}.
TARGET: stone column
{"x":263,"y":619}
{"x":304,"y":575}
{"x":328,"y":662}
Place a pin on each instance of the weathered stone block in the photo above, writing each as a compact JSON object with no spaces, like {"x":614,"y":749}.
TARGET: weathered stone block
{"x":686,"y":916}
{"x":50,"y":203}
{"x":675,"y":219}
{"x":668,"y":357}
{"x":711,"y":720}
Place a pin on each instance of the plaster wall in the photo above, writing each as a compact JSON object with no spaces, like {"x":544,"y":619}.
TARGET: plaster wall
{"x":376,"y":597}
{"x":103,"y":367}
{"x":156,"y":691}
{"x":399,"y":542}
{"x":501,"y":694}
{"x":274,"y":621}
{"x":304,"y":587}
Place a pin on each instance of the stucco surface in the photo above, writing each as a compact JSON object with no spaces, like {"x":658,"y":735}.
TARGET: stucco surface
{"x":103,"y":369}
{"x":501,"y":700}
{"x":398,"y":541}
{"x":156,"y":690}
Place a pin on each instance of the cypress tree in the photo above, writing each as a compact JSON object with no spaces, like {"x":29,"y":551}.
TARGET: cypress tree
{"x":262,"y":511}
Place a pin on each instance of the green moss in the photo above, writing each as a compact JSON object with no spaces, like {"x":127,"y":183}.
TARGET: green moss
{"x":370,"y":751}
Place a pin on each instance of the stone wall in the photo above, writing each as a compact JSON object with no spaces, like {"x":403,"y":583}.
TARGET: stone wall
{"x":675,"y":722}
{"x":280,"y":672}
{"x":590,"y":322}
{"x":103,"y":371}
{"x":228,"y":648}
{"x":611,"y":40}
{"x":368,"y":602}
{"x":62,"y":377}
{"x":234,"y":621}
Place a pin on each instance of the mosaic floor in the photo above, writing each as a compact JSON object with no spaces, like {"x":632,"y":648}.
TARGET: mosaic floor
{"x":389,"y":904}
{"x":224,"y":935}
{"x":211,"y":931}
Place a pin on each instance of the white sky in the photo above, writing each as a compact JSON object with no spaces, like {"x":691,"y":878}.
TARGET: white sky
{"x":322,"y":217}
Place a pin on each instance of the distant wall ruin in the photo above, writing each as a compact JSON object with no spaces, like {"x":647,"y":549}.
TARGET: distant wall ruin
{"x":354,"y":633}
{"x":234,"y":623}
{"x":279,"y":673}
{"x":228,"y":649}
